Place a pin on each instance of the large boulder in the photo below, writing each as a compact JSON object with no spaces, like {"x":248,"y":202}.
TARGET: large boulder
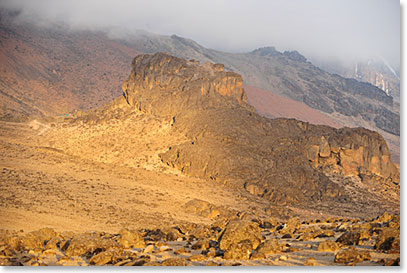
{"x":270,"y":247}
{"x":86,"y":244}
{"x":239,"y":251}
{"x":240,"y":230}
{"x":101,"y":258}
{"x":388,"y":240}
{"x":37,"y":239}
{"x":349,"y":238}
{"x":352,"y":256}
{"x":328,"y":246}
{"x":202,"y":208}
{"x":290,"y":227}
{"x":131,"y":239}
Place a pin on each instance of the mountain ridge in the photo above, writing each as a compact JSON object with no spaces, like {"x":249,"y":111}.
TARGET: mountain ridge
{"x":230,"y":143}
{"x":53,"y":87}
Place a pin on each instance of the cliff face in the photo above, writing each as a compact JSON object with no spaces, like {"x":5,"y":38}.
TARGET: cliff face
{"x":353,"y":152}
{"x":283,"y":160}
{"x":163,"y":84}
{"x":380,"y":74}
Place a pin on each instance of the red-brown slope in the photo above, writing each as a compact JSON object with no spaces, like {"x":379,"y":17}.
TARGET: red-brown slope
{"x":46,"y":71}
{"x":271,"y":105}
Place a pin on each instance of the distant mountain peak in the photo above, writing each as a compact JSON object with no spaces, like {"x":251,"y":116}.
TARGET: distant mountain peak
{"x":295,"y":56}
{"x":272,"y":51}
{"x":266,"y":51}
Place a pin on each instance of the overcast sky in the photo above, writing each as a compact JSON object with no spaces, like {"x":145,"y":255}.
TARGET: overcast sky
{"x":346,"y":29}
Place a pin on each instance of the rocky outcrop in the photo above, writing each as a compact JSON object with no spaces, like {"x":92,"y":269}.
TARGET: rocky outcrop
{"x":353,"y":152}
{"x":161,"y":84}
{"x":283,"y":160}
{"x":290,"y":75}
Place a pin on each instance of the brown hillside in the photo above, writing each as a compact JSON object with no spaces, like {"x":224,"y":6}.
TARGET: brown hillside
{"x":212,"y":133}
{"x":45,"y":71}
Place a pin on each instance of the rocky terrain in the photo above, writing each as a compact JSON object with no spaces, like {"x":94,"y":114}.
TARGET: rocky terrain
{"x":190,"y":162}
{"x":183,"y":145}
{"x":239,"y":240}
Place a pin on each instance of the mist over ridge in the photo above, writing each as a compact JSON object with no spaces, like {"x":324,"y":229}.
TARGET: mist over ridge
{"x":340,"y":30}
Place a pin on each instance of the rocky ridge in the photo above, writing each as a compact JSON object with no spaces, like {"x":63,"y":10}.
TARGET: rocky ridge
{"x":291,"y":75}
{"x":228,"y":142}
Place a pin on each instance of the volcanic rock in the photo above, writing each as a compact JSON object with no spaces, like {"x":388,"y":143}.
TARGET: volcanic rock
{"x":291,"y":226}
{"x":201,"y":244}
{"x":283,"y":160}
{"x":203,"y":208}
{"x":349,"y":238}
{"x":174,"y":262}
{"x":87,"y":244}
{"x":131,"y":239}
{"x":101,"y":258}
{"x":239,"y":251}
{"x":37,"y":239}
{"x":328,"y":246}
{"x":352,"y":256}
{"x":53,"y":243}
{"x":237,"y":231}
{"x":197,"y":258}
{"x":388,"y":240}
{"x":269,"y":247}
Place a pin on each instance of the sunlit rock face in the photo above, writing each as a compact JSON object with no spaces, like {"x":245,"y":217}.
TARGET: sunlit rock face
{"x":282,"y":160}
{"x":161,"y":83}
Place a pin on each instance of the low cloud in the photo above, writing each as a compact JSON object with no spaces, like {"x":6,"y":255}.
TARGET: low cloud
{"x":346,"y":30}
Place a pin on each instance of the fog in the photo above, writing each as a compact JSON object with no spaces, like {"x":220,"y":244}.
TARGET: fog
{"x":347,"y":30}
